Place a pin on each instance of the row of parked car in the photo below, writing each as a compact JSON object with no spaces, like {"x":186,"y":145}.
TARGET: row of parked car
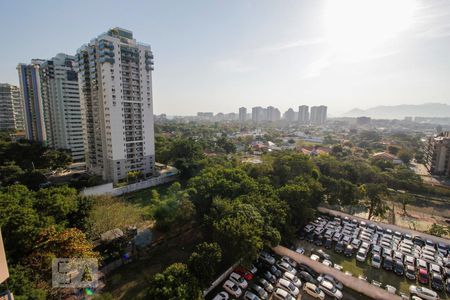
{"x":283,"y":278}
{"x":412,"y":256}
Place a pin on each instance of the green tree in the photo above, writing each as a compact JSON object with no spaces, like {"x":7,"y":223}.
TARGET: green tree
{"x":10,"y":173}
{"x":204,"y":261}
{"x":21,"y":283}
{"x":57,"y":203}
{"x":56,"y":159}
{"x":238,"y":228}
{"x":174,"y":283}
{"x":439,"y":230}
{"x":405,"y":156}
{"x":299,"y":199}
{"x":375,"y":193}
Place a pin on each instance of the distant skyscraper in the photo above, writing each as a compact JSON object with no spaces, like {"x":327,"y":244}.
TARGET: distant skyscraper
{"x":117,"y":108}
{"x":289,"y":115}
{"x":59,"y":85}
{"x":303,"y":114}
{"x":30,"y":89}
{"x":273,"y":114}
{"x":258,"y":114}
{"x":242,"y":114}
{"x":318,"y":115}
{"x":11,"y":108}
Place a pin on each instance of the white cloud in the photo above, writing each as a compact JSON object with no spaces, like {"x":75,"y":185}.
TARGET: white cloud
{"x":232,"y":65}
{"x":290,"y":44}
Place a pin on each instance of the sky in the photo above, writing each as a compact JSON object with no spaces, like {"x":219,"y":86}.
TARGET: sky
{"x":220,"y":55}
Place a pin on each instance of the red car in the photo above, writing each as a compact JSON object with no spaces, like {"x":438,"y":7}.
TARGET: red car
{"x":423,"y":276}
{"x":244,"y":273}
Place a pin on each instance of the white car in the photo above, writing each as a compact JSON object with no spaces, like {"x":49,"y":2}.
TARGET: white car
{"x":286,"y":267}
{"x":267,"y":257}
{"x":328,"y":288}
{"x":289,"y":261}
{"x":423,"y":293}
{"x":315,"y":257}
{"x":300,"y":250}
{"x":292,"y":278}
{"x":288,"y":286}
{"x":239,"y":280}
{"x":327,"y":263}
{"x":221,"y":296}
{"x":312,"y":290}
{"x":376,"y":261}
{"x":232,"y":288}
{"x":281,"y":294}
{"x":361,"y":255}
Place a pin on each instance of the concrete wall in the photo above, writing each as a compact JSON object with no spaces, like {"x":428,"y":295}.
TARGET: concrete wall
{"x":108,"y":189}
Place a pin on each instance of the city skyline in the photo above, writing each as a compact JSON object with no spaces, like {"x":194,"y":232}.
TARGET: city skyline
{"x":312,"y":54}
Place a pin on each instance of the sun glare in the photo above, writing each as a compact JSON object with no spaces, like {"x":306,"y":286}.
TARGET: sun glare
{"x":355,"y":27}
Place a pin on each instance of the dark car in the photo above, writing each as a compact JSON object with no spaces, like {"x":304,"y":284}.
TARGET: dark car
{"x":348,"y":251}
{"x":418,"y":240}
{"x":328,"y":243}
{"x":319,"y":240}
{"x":437,"y":282}
{"x":302,"y":235}
{"x":305,"y":268}
{"x":339,"y":248}
{"x":347,"y":240}
{"x":310,"y":237}
{"x":259,"y":291}
{"x":388,"y":263}
{"x":305,"y":276}
{"x":399,"y":268}
{"x":275,"y":271}
{"x":265,"y":284}
{"x":269,"y":277}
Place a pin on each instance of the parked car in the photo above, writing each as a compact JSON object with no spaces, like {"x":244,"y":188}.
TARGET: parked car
{"x":423,"y":292}
{"x":314,"y":291}
{"x":376,"y":250}
{"x":388,"y":263}
{"x":361,"y":255}
{"x":417,"y":240}
{"x":314,"y":257}
{"x":292,"y":278}
{"x":306,"y":277}
{"x":300,"y":250}
{"x":250,"y":296}
{"x":399,"y":268}
{"x":259,"y":291}
{"x":303,"y":267}
{"x":221,"y":296}
{"x":281,"y":294}
{"x":319,"y":240}
{"x":290,"y":261}
{"x":410,"y":272}
{"x":339,"y":248}
{"x":328,"y":288}
{"x":376,"y":261}
{"x":269,"y":277}
{"x":447,"y":285}
{"x":409,"y":260}
{"x":288,"y":286}
{"x":286,"y":267}
{"x":275,"y":271}
{"x":437,"y":282}
{"x":331,"y":279}
{"x":423,"y":276}
{"x":232,"y":288}
{"x":322,"y":254}
{"x":348,"y":251}
{"x":239,"y":280}
{"x":327,"y":263}
{"x":265,"y":284}
{"x":244,"y":273}
{"x":266,"y":257}
{"x":328,"y":243}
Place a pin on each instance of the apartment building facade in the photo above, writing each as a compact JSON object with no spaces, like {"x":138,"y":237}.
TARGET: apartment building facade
{"x":11,"y":108}
{"x":115,"y":81}
{"x":303,"y":114}
{"x":318,"y":115}
{"x":437,"y":154}
{"x":242,"y":114}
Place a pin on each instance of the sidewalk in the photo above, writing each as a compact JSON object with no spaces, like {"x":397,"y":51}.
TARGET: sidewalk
{"x":385,"y":225}
{"x":348,"y":281}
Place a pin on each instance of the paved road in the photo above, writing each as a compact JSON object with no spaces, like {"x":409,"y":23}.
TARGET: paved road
{"x":351,"y":282}
{"x":385,"y":225}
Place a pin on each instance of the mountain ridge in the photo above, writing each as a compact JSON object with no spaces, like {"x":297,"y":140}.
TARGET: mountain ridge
{"x":437,"y":110}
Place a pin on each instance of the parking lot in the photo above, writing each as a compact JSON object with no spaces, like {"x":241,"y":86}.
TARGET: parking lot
{"x":261,"y":270}
{"x":386,"y":258}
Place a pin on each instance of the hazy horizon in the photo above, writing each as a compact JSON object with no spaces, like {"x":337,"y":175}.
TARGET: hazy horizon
{"x":218,"y":56}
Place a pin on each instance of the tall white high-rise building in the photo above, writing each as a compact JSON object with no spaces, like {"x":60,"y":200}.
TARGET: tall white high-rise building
{"x":115,"y":79}
{"x":11,"y":108}
{"x":259,"y":114}
{"x":289,"y":115}
{"x":242,"y":114}
{"x":303,"y":114}
{"x":60,"y":93}
{"x":273,"y":114}
{"x":318,"y":115}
